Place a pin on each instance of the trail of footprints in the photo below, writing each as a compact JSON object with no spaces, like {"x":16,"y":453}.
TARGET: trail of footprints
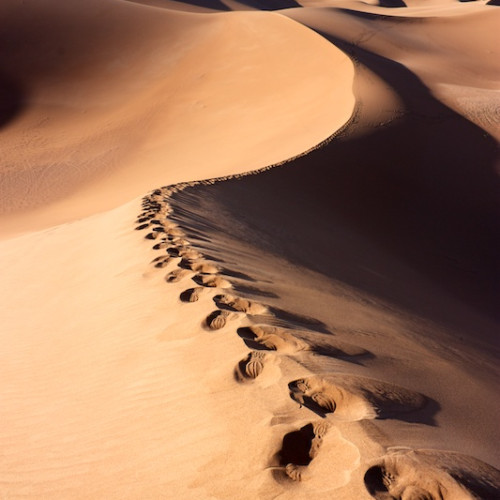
{"x":402,"y":474}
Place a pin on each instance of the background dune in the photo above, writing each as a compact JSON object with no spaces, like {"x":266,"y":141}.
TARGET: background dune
{"x":322,"y":329}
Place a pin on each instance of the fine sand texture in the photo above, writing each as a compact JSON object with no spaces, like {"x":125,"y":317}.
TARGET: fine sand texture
{"x":249,"y":249}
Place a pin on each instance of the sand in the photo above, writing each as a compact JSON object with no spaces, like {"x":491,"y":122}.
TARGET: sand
{"x":99,"y":90}
{"x":248,"y":252}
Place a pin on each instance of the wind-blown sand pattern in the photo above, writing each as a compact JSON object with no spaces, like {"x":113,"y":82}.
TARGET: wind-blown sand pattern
{"x":307,"y":307}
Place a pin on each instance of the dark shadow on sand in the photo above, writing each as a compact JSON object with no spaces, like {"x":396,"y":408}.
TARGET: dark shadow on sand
{"x":416,"y":197}
{"x":254,"y":4}
{"x":252,"y":290}
{"x":218,"y":5}
{"x":392,"y":3}
{"x":11,"y":99}
{"x":297,"y":446}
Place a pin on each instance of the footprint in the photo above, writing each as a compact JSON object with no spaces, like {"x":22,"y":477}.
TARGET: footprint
{"x":205,"y":268}
{"x":271,"y":338}
{"x":238,"y":304}
{"x":300,"y":447}
{"x":181,"y":242}
{"x":199,"y":267}
{"x":189,"y":253}
{"x":431,"y":475}
{"x":175,"y":231}
{"x":282,"y":339}
{"x":161,"y":261}
{"x":354,"y":398}
{"x":191,"y":294}
{"x":143,"y":218}
{"x":153,"y":235}
{"x":218,"y":319}
{"x":158,"y":259}
{"x":251,"y":366}
{"x":162,"y":264}
{"x":173,"y":251}
{"x":177,"y":275}
{"x":212,"y":281}
{"x":160,"y":246}
{"x":161,"y":220}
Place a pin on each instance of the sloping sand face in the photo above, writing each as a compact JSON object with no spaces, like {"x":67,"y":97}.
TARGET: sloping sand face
{"x":319,"y":330}
{"x":111,"y":390}
{"x":102,"y":92}
{"x":329,"y":336}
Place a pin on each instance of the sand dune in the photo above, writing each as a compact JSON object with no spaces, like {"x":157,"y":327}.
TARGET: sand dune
{"x":322,"y":329}
{"x":101,"y":91}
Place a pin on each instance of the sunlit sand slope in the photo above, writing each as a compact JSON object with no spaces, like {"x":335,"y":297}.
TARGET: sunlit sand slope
{"x":109,"y":99}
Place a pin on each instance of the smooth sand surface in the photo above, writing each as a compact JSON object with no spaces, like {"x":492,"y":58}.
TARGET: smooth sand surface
{"x":326,"y":328}
{"x":100,"y":92}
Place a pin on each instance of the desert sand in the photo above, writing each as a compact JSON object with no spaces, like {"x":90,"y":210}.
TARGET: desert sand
{"x":249,"y":249}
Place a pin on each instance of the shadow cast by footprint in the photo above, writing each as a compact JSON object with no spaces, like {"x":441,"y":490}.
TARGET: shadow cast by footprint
{"x":298,"y":450}
{"x":251,"y":290}
{"x":298,"y":320}
{"x":191,"y":294}
{"x":296,"y":446}
{"x":236,"y":274}
{"x":251,"y":344}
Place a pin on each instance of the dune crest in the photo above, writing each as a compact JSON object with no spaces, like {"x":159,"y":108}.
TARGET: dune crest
{"x":149,"y":95}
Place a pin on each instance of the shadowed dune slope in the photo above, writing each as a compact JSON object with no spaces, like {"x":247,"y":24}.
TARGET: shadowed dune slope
{"x":220,"y":5}
{"x":433,"y":171}
{"x":108,"y":100}
{"x":421,"y":186}
{"x":401,"y":206}
{"x":454,"y":53}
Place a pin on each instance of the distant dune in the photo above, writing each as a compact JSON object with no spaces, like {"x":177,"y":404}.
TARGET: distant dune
{"x":249,"y":249}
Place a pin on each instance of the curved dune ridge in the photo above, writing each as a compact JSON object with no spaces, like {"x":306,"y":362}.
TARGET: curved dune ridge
{"x":103,"y":91}
{"x":307,"y":308}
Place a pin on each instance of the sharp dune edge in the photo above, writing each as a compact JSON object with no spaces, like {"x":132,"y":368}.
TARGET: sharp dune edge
{"x":307,"y":308}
